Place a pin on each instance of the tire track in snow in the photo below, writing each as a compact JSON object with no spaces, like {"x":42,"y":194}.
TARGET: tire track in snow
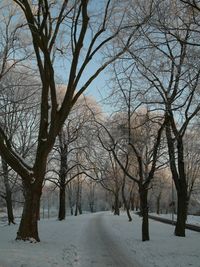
{"x":99,"y":250}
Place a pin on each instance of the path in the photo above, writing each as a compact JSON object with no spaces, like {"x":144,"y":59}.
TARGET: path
{"x":99,"y":248}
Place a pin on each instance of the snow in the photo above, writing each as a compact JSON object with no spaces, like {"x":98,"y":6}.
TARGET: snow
{"x":32,"y":180}
{"x":22,"y":162}
{"x":59,"y":107}
{"x":99,"y":240}
{"x":191,"y":219}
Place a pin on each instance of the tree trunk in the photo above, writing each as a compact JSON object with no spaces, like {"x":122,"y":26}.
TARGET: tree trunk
{"x":9,"y":206}
{"x":126,"y":204}
{"x":71,"y":211}
{"x":77,"y":200}
{"x":62,"y":208}
{"x":179,"y":177}
{"x":76,"y":210}
{"x":80,"y":199}
{"x":70,"y":198}
{"x":28,"y":228}
{"x":71,"y":204}
{"x":137,"y":204}
{"x":8,"y":197}
{"x":144,"y":212}
{"x":91,"y":197}
{"x":181,"y":214}
{"x":116,"y":205}
{"x":91,"y":204}
{"x":80,"y":209}
{"x":181,"y":192}
{"x":158,"y":204}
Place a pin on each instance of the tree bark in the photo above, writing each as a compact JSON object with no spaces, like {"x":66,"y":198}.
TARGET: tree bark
{"x":91,"y":204}
{"x":126,"y":204}
{"x":80,"y":199}
{"x":28,"y":228}
{"x":181,"y":213}
{"x":62,"y":208}
{"x":144,"y":212}
{"x":76,"y":210}
{"x":80,"y":208}
{"x":8,"y":196}
{"x":77,"y":199}
{"x":71,"y":204}
{"x":9,"y":206}
{"x":181,"y":192}
{"x":116,"y":204}
{"x":179,"y":177}
{"x":70,"y":197}
{"x":72,"y":211}
{"x":158,"y":204}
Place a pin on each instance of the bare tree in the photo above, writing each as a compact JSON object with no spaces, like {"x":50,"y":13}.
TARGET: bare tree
{"x":145,"y":151}
{"x":171,"y":71}
{"x":19,"y":121}
{"x":13,"y":42}
{"x":70,"y":143}
{"x":161,"y":185}
{"x":45,"y":21}
{"x":91,"y":194}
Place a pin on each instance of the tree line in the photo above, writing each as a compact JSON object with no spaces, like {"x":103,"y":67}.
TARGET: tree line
{"x":51,"y":52}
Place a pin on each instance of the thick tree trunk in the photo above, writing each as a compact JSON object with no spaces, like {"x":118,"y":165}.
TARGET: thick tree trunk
{"x":181,"y":192}
{"x":144,"y":213}
{"x":178,"y":174}
{"x":181,"y":214}
{"x":62,"y":208}
{"x":116,"y":205}
{"x":62,"y":175}
{"x":28,"y":228}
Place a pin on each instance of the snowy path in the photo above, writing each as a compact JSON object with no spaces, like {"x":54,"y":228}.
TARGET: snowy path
{"x":99,"y":240}
{"x":101,"y":249}
{"x":83,"y":241}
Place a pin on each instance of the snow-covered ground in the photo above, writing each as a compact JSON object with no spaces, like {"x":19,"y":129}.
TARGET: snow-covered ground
{"x":99,"y":240}
{"x":191,"y":219}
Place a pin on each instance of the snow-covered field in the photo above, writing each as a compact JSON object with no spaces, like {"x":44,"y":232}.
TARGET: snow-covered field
{"x":99,"y":240}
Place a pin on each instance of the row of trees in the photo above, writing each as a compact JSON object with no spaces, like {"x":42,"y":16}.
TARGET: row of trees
{"x":152,"y":51}
{"x":87,"y":135}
